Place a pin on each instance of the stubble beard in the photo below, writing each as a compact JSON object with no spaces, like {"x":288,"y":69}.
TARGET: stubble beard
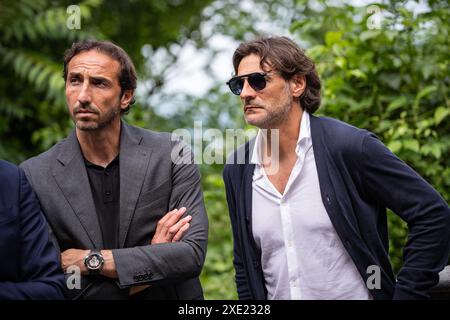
{"x":274,"y":116}
{"x":101,"y":122}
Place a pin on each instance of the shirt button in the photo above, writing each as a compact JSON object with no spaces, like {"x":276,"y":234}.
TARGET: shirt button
{"x":108,"y":193}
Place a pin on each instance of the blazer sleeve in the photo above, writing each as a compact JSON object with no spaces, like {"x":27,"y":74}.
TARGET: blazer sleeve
{"x":52,"y":236}
{"x":395,"y":185}
{"x":168,"y":262}
{"x":42,"y":277}
{"x":240,"y":277}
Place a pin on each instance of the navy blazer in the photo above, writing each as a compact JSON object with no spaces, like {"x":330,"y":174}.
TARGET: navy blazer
{"x":359,"y":178}
{"x":29,"y":267}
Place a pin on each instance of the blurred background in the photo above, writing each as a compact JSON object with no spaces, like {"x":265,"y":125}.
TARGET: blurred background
{"x":384,"y":67}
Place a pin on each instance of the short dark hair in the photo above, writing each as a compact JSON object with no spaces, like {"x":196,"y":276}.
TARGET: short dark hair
{"x":127,"y":74}
{"x":285,"y":56}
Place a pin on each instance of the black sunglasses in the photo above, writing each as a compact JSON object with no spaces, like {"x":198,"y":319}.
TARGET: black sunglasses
{"x":256,"y":80}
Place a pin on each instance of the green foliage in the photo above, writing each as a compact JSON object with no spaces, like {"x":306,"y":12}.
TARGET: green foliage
{"x":218,"y":274}
{"x":33,"y":38}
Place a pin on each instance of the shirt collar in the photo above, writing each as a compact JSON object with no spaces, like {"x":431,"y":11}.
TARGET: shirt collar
{"x":304,"y":138}
{"x":113,"y":163}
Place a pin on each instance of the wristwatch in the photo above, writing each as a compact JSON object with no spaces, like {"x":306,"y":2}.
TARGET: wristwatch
{"x":94,"y":262}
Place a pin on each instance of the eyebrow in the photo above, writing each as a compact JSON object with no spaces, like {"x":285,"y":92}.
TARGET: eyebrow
{"x":95,"y":78}
{"x":101,"y":79}
{"x":74,"y":74}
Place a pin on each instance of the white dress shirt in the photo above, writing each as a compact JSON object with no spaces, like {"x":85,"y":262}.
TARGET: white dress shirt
{"x":302,"y":256}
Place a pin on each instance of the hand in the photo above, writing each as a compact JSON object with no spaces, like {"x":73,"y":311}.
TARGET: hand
{"x":74,"y":257}
{"x":170,"y":228}
{"x":137,"y":289}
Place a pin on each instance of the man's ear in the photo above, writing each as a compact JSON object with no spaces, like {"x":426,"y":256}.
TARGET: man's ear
{"x":298,"y":83}
{"x":126,"y":98}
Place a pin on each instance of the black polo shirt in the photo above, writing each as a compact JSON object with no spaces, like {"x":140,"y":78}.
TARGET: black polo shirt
{"x":105,"y":187}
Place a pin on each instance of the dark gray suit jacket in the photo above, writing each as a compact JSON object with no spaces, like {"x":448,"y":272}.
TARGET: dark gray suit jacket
{"x":150,"y":185}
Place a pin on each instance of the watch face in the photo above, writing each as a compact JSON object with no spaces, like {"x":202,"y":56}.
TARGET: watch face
{"x":94,"y":262}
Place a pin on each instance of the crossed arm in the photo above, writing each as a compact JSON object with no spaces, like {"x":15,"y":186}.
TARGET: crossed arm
{"x":178,"y":248}
{"x":170,"y":228}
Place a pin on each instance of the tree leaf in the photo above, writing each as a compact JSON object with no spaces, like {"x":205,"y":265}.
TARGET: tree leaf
{"x":368,"y":34}
{"x":332,"y":37}
{"x":440,"y":114}
{"x":426,"y":91}
{"x":394,"y":146}
{"x":397,"y":103}
{"x":411,"y":144}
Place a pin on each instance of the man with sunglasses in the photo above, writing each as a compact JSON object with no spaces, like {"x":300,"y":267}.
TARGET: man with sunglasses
{"x":308,"y":212}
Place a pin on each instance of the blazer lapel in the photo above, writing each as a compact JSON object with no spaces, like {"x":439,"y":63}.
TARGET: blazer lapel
{"x":246,"y":194}
{"x":72,"y":178}
{"x":134,"y":160}
{"x":345,"y":226}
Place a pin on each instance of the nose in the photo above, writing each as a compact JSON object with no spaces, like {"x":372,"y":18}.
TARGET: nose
{"x":247,"y":92}
{"x":84,"y":96}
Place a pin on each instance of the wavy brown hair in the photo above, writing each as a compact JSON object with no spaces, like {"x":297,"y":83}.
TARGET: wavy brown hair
{"x":286,"y":57}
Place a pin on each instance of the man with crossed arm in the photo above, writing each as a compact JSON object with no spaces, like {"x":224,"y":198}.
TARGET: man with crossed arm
{"x":106,"y":188}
